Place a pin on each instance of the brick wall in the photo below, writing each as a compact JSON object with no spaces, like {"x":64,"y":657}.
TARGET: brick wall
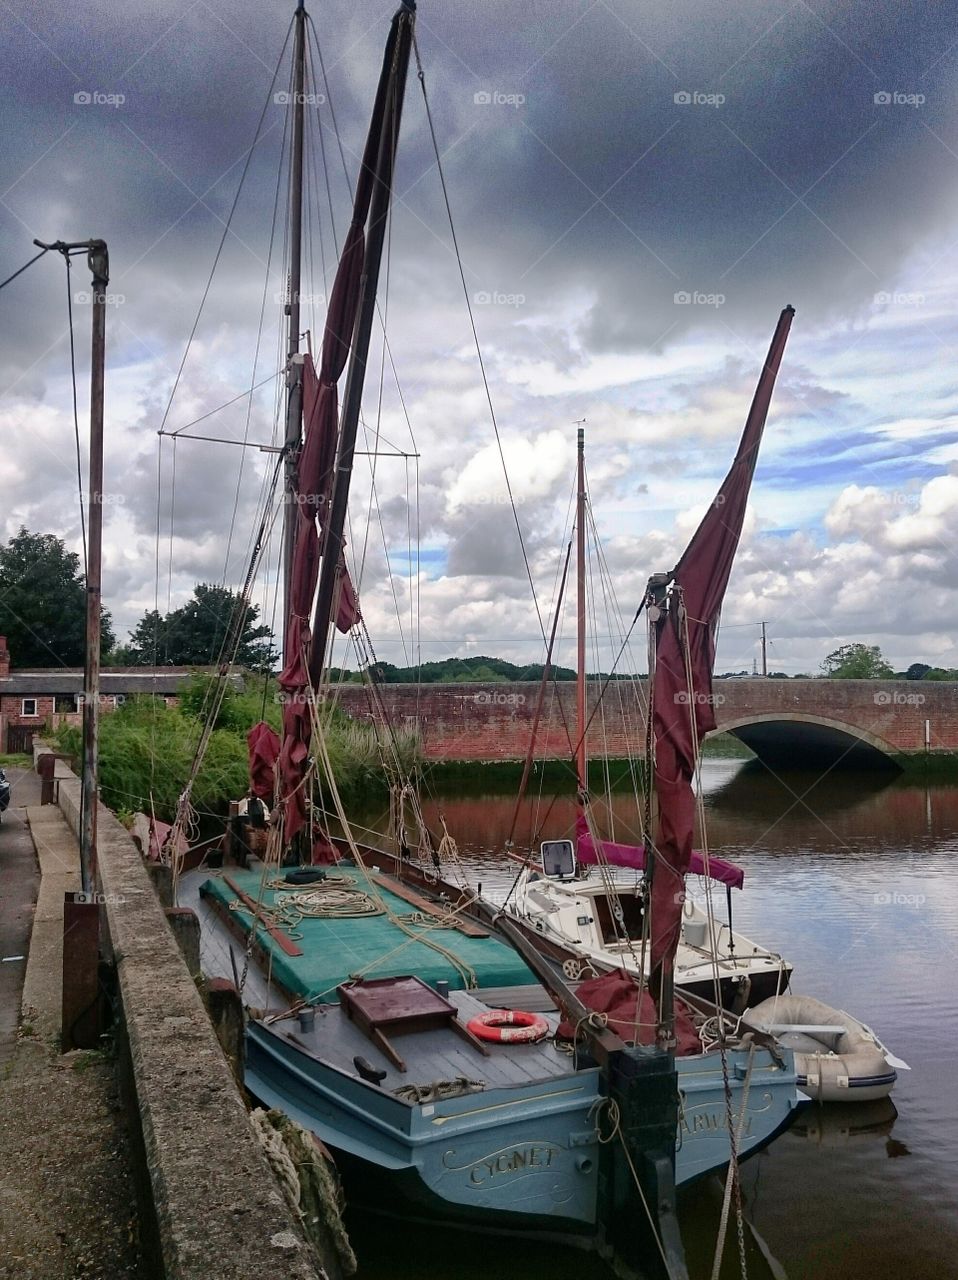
{"x":494,"y":721}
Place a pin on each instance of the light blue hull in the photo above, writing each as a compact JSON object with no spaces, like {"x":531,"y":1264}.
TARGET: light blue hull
{"x":525,"y":1157}
{"x":770,"y":1106}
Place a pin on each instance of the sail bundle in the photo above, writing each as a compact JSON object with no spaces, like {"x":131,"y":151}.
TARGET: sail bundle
{"x":685,"y":622}
{"x":316,"y":471}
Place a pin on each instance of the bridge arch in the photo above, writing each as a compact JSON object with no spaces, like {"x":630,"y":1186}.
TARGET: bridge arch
{"x":789,"y":739}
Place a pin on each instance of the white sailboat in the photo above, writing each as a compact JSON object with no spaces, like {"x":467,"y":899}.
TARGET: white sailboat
{"x":586,"y":900}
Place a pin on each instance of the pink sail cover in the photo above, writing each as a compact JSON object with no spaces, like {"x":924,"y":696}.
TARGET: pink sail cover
{"x":316,"y":466}
{"x":683,"y":715}
{"x":633,"y":855}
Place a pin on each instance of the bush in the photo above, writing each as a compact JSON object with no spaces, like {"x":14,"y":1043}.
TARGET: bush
{"x":147,"y":750}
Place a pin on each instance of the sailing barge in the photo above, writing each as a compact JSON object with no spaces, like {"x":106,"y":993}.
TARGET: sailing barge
{"x":391,"y":1033}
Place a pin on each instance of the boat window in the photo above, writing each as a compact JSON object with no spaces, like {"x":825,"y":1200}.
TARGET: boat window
{"x":631,"y":917}
{"x":558,"y":858}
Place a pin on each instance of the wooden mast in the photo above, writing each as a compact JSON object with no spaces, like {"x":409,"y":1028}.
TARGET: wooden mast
{"x":582,"y":764}
{"x":333,"y":534}
{"x":294,"y":370}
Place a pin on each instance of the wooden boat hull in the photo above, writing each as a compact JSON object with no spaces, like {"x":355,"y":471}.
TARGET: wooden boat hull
{"x":526,"y":1158}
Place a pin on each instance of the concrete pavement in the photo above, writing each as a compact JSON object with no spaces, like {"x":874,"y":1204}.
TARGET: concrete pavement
{"x":19,"y":882}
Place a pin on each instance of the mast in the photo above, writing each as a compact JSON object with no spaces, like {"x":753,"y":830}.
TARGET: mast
{"x":334,"y":525}
{"x":294,"y":375}
{"x":580,"y":705}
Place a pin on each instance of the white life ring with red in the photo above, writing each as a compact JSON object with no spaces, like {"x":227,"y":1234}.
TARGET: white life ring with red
{"x":509,"y":1026}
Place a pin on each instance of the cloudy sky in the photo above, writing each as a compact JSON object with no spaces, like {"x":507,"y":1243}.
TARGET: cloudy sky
{"x":637,"y":190}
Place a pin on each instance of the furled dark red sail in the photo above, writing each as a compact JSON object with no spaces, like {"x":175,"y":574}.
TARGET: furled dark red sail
{"x":630,"y":1013}
{"x":683,"y":706}
{"x":263,"y":744}
{"x":315,"y":473}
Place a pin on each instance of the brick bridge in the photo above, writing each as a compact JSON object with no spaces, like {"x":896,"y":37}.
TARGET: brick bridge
{"x":863,"y":723}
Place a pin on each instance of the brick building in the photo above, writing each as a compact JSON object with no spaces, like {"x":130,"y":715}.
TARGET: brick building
{"x":34,"y":701}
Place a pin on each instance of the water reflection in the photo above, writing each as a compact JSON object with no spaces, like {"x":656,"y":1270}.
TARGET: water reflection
{"x":837,"y":1126}
{"x":855,"y":879}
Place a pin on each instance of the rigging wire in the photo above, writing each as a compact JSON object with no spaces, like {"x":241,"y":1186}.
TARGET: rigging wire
{"x":20,"y":272}
{"x":169,"y":584}
{"x":256,"y":350}
{"x":219,"y":408}
{"x":226,"y":227}
{"x":475,"y":333}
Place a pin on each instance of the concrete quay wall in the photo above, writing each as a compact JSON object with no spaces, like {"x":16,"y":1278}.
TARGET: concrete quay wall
{"x":217,"y":1208}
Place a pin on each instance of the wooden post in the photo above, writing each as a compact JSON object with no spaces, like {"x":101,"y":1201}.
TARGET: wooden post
{"x":226,"y":1014}
{"x":100,"y":267}
{"x":185,"y":924}
{"x":46,"y":766}
{"x":161,"y":874}
{"x":81,"y":1025}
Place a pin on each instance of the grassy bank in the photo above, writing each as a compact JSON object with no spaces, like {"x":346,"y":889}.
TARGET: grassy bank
{"x":933,"y":766}
{"x":16,"y":761}
{"x":480,"y":776}
{"x":147,"y":750}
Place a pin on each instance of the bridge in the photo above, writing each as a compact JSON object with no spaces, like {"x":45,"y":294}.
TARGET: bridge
{"x":848,"y":723}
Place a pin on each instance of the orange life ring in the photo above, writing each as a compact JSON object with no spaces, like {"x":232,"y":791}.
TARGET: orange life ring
{"x":509,"y":1026}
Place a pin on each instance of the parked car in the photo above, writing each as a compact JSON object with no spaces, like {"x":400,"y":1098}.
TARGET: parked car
{"x":4,"y":791}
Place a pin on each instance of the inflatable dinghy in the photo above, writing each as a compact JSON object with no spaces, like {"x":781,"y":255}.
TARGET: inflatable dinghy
{"x":838,"y":1059}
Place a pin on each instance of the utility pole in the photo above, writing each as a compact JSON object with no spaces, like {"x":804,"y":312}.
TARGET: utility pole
{"x":764,"y":650}
{"x":98,"y":261}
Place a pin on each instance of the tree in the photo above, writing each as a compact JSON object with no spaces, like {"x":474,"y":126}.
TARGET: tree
{"x":857,"y":662}
{"x":194,"y":634}
{"x":43,"y":603}
{"x":917,"y":671}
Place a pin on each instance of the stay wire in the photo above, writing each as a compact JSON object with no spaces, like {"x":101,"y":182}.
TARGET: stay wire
{"x":475,"y":333}
{"x":226,"y":227}
{"x":20,"y":272}
{"x":256,"y":351}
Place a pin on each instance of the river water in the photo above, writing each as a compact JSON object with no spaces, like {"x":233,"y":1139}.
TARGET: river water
{"x":854,"y":878}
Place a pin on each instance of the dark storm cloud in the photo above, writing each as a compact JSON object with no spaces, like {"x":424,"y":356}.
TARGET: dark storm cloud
{"x":582,"y":174}
{"x":586,"y":199}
